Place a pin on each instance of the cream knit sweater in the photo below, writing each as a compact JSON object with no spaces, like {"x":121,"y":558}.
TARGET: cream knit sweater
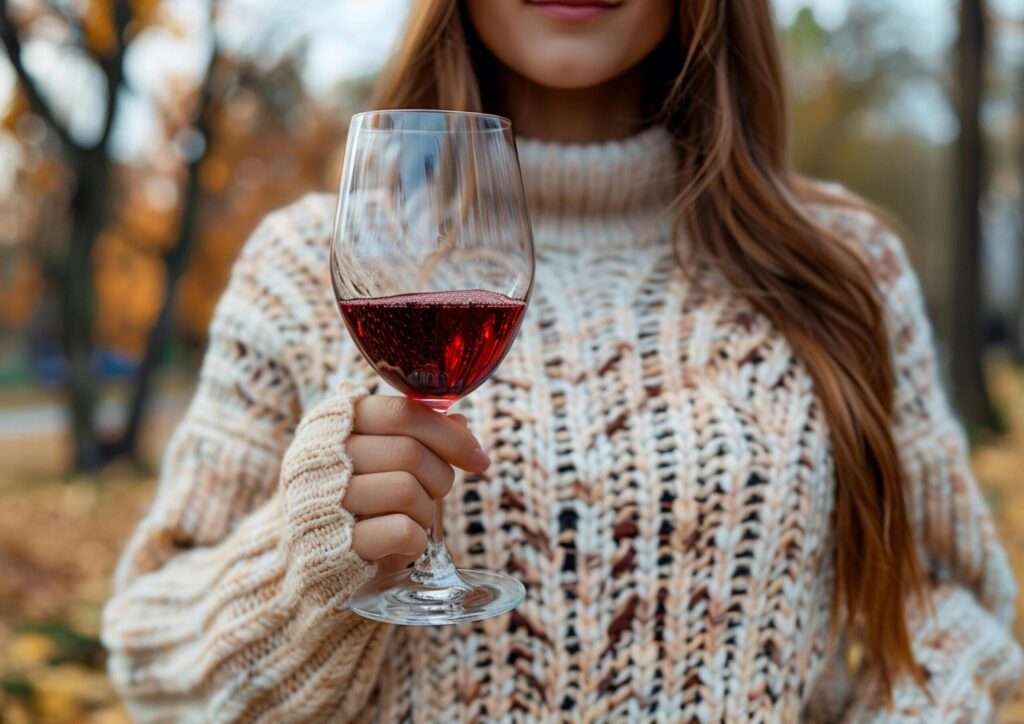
{"x":662,"y":485}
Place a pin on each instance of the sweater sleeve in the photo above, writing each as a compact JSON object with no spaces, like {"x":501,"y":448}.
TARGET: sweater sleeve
{"x":971,"y":661}
{"x":230,"y":599}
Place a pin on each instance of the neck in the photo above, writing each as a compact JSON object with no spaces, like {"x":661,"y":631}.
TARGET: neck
{"x":600,"y":196}
{"x":608,"y":112}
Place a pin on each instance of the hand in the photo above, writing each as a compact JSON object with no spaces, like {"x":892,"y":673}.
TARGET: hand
{"x":402,"y":456}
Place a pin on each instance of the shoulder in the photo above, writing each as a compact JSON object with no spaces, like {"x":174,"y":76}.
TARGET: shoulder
{"x":865,"y":229}
{"x":284,"y":258}
{"x":292,"y":231}
{"x":280,"y":296}
{"x":868,"y":234}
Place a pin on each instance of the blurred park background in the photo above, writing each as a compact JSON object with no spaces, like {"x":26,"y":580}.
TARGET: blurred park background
{"x":142,"y":140}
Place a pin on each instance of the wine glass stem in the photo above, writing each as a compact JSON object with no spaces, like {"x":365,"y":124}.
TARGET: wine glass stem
{"x":435,"y":567}
{"x":436,"y":533}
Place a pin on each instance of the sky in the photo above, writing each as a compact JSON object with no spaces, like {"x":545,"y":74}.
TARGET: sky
{"x":343,"y":39}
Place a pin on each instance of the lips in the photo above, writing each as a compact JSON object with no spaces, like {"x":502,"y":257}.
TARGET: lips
{"x":582,"y":3}
{"x":573,"y":11}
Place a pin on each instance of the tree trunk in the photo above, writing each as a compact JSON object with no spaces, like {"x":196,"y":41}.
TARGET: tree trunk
{"x":969,"y":314}
{"x":175,"y":261}
{"x":89,"y":204}
{"x":90,"y":169}
{"x":1017,"y":314}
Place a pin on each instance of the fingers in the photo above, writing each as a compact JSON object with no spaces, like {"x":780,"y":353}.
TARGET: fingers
{"x":388,"y":535}
{"x":398,"y":491}
{"x":402,"y":456}
{"x":391,"y":564}
{"x":381,"y":454}
{"x":448,"y":438}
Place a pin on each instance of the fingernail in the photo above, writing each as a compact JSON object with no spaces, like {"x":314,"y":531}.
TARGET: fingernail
{"x":478,"y":459}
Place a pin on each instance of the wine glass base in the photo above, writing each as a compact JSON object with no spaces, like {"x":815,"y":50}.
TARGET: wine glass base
{"x":398,"y":598}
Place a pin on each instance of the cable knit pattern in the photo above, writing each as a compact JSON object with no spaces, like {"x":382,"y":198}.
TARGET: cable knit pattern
{"x":662,"y":484}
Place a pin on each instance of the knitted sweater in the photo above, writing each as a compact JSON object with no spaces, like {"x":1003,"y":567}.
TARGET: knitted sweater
{"x":662,"y":484}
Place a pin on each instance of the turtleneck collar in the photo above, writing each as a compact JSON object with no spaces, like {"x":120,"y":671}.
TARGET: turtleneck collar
{"x":599,"y":195}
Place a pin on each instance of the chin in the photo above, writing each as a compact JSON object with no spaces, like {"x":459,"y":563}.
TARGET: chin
{"x":568,"y":74}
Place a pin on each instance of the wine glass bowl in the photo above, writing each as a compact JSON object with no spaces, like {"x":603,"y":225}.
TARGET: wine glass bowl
{"x":432,"y":267}
{"x":434,"y":347}
{"x":431,"y":201}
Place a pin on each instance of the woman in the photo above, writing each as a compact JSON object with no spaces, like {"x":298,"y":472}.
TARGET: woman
{"x":722,"y":461}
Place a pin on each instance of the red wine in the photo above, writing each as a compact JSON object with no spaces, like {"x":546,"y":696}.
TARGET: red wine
{"x":434,"y":347}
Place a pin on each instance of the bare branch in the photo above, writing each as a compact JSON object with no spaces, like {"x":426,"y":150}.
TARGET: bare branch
{"x":58,"y":10}
{"x":113,"y":67}
{"x":12,"y":44}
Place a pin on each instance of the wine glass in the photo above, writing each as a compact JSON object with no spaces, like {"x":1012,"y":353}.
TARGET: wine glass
{"x":432,"y":266}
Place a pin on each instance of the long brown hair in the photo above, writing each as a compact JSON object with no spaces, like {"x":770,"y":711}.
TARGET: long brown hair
{"x":720,"y":84}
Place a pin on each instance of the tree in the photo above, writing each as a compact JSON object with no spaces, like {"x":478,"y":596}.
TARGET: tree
{"x":1017,"y":318}
{"x":969,"y":312}
{"x":102,"y":32}
{"x":175,"y":261}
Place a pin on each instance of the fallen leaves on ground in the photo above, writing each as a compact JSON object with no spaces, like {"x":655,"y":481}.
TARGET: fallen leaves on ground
{"x":58,"y":545}
{"x":999,"y":467}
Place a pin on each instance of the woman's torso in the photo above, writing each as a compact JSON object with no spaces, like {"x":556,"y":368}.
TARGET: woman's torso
{"x":661,"y":484}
